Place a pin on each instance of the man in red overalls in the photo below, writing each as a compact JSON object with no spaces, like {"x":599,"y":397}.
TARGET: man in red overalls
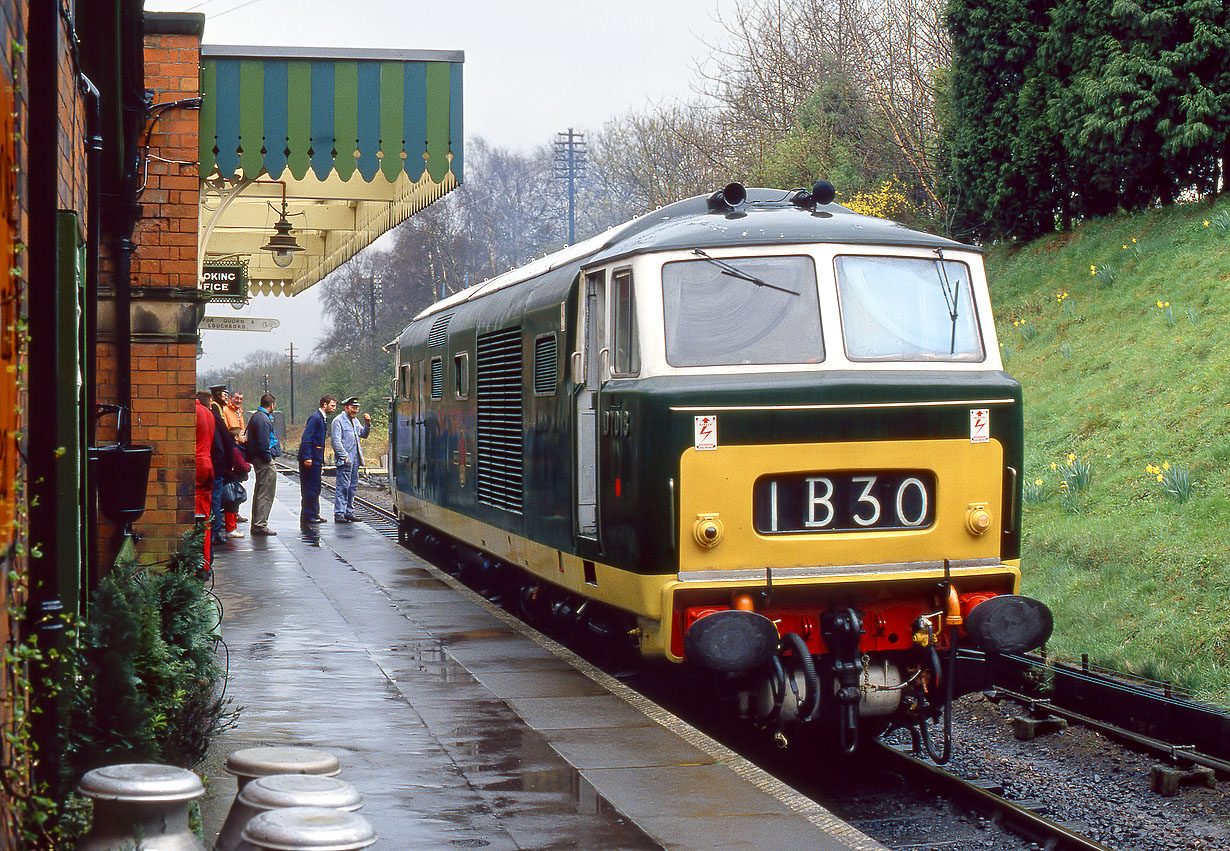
{"x":204,"y":467}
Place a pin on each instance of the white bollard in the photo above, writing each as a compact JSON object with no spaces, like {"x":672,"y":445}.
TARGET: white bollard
{"x":308,"y":829}
{"x":250,"y":763}
{"x":140,"y":805}
{"x":278,"y":791}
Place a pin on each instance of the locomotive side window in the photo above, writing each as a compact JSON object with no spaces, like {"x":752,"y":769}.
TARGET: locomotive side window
{"x":461,"y":375}
{"x":405,"y":381}
{"x":907,"y":309}
{"x":626,"y":350}
{"x":741,"y":310}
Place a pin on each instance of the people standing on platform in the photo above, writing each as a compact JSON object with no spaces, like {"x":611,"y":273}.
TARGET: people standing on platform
{"x":204,"y":465}
{"x":262,"y":440}
{"x":312,"y":460}
{"x":345,"y":434}
{"x":222,"y":454}
{"x":232,"y":413}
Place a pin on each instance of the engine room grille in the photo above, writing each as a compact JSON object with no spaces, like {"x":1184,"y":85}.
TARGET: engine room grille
{"x":437,"y":378}
{"x":439,"y":331}
{"x":546,"y":369}
{"x":499,"y":455}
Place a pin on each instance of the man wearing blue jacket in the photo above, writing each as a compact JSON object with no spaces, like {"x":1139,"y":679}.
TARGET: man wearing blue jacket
{"x":261,"y":442}
{"x":345,"y":434}
{"x":312,"y":461}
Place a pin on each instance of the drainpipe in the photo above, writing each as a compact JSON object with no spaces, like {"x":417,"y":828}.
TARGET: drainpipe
{"x":93,"y":218}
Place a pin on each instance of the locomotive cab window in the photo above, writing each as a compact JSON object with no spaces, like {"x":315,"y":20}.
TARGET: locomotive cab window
{"x":625,"y":350}
{"x":907,"y":309}
{"x":741,"y":310}
{"x":404,"y":387}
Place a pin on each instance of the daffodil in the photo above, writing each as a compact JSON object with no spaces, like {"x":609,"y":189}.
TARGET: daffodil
{"x":1206,"y":223}
{"x":1159,"y":477}
{"x":1054,"y":466}
{"x":1165,"y":465}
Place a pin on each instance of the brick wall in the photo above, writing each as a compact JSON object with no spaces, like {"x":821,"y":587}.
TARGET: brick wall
{"x":163,"y":279}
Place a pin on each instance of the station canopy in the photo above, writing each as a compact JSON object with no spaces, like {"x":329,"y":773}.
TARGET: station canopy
{"x":355,"y":141}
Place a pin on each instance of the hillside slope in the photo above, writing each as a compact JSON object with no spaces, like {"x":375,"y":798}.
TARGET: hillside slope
{"x":1118,"y":332}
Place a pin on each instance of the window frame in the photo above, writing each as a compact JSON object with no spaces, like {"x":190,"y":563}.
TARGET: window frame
{"x":624,"y":341}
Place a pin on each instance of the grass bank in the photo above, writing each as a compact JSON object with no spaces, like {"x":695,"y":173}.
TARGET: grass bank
{"x":1118,"y":332}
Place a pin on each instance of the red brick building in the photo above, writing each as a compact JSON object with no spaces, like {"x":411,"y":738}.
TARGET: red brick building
{"x":106,"y":117}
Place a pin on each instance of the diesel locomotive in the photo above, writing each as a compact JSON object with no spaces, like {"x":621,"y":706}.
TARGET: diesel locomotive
{"x":753,"y":433}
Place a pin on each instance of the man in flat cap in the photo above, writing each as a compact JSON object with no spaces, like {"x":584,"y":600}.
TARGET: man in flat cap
{"x":344,"y":435}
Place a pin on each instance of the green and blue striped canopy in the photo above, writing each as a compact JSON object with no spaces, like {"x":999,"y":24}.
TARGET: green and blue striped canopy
{"x":374,"y":112}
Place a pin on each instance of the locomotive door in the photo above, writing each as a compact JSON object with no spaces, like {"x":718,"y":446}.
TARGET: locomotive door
{"x":417,"y":415}
{"x":587,"y":373}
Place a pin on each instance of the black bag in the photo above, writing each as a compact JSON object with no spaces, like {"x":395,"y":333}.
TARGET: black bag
{"x":233,"y":496}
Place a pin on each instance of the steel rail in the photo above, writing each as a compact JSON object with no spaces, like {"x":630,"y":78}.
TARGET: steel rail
{"x":1159,"y":746}
{"x":1009,"y":815}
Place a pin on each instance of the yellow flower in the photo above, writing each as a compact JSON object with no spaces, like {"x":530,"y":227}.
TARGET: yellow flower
{"x":1159,"y":305}
{"x":1133,"y":239}
{"x":1159,"y":477}
{"x":1125,"y":248}
{"x":1054,"y":466}
{"x":1151,"y":470}
{"x":1093,"y":270}
{"x":1165,"y":465}
{"x":1071,"y":457}
{"x":1206,"y":223}
{"x":1037,"y":483}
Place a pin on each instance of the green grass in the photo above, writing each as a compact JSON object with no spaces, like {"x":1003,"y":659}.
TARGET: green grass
{"x":1138,"y":579}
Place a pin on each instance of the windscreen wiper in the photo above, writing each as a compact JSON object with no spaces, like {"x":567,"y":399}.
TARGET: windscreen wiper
{"x":735,"y":272}
{"x":951,"y":294}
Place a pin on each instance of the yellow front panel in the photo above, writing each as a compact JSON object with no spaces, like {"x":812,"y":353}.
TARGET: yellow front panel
{"x":719,"y":482}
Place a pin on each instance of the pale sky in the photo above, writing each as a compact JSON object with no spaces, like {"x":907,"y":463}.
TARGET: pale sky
{"x":532,"y":68}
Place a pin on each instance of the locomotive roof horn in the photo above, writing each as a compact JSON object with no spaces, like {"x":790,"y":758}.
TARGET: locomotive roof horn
{"x":822,"y":193}
{"x":730,"y":199}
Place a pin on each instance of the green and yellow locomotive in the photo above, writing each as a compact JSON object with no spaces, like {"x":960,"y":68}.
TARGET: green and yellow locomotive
{"x":754,"y":432}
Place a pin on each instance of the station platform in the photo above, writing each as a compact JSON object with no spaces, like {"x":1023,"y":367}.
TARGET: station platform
{"x":461,"y":727}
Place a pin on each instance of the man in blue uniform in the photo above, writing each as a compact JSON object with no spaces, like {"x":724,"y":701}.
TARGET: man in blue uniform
{"x":345,"y":434}
{"x":312,"y":461}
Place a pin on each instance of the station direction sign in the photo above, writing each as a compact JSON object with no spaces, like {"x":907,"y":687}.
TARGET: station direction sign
{"x":225,"y":281}
{"x":238,"y":323}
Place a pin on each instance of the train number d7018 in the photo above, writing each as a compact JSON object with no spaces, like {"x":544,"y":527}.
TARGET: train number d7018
{"x":843,"y":502}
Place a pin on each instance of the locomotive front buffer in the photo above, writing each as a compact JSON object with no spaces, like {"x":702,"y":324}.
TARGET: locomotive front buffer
{"x":893,"y":661}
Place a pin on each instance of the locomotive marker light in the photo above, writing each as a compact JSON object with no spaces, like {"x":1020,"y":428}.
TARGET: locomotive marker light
{"x":978,"y":518}
{"x":708,"y":530}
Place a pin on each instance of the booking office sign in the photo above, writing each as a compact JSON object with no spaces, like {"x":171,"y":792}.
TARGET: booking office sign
{"x":225,"y":281}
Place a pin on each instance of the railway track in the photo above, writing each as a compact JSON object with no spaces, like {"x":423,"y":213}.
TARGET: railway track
{"x":987,"y":800}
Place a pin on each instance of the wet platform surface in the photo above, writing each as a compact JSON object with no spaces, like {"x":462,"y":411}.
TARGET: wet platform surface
{"x":460,"y":727}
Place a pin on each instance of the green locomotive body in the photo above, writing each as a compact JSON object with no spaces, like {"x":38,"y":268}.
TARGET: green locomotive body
{"x":759,"y":414}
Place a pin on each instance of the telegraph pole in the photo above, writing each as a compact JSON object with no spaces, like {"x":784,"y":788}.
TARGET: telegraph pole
{"x":292,"y":382}
{"x":570,"y":154}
